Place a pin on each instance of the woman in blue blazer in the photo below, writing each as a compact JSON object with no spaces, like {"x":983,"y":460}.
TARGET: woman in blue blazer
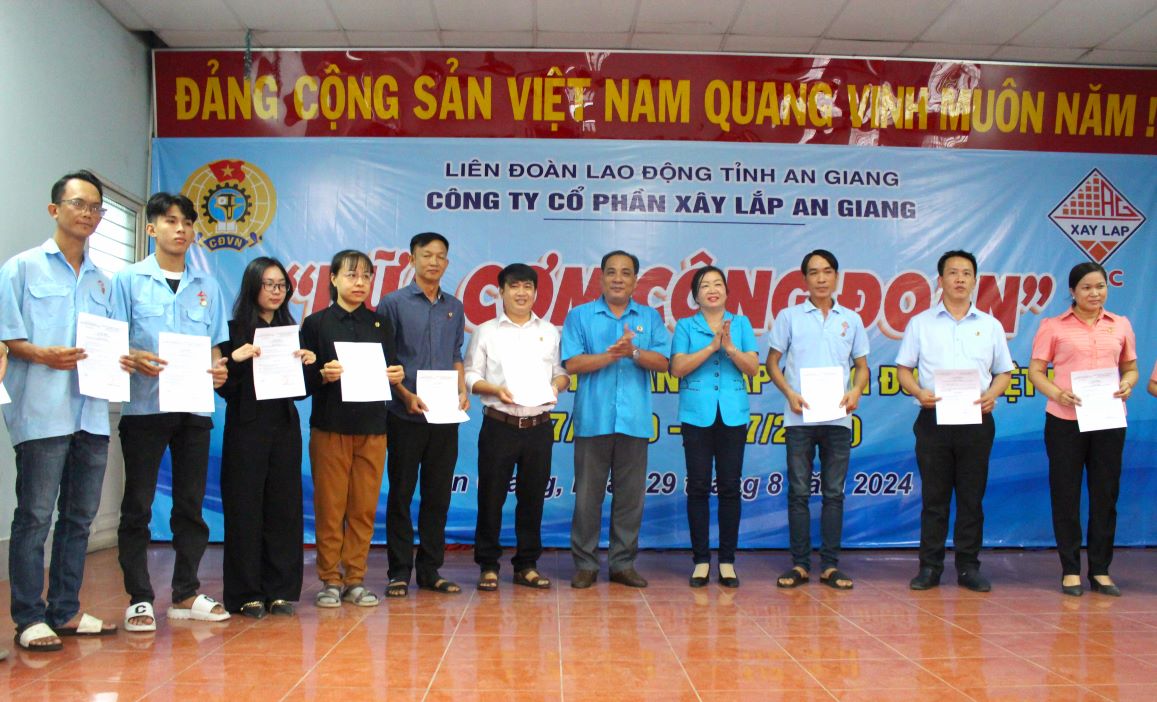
{"x":712,"y":351}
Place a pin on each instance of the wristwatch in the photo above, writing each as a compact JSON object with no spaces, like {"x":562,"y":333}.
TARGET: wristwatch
{"x":635,"y":354}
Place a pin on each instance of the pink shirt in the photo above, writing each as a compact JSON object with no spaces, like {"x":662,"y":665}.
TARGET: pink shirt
{"x":1071,"y":345}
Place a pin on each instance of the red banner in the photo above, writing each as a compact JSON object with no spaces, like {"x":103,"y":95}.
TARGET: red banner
{"x":621,"y":95}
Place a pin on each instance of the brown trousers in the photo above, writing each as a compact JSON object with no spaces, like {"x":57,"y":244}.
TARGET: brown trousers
{"x":347,"y":480}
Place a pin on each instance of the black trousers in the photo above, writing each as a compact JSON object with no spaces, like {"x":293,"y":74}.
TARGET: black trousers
{"x":427,"y":453}
{"x":952,"y":459}
{"x":1072,"y":455}
{"x":500,"y":447}
{"x":144,"y":439}
{"x":262,"y":504}
{"x":719,"y":449}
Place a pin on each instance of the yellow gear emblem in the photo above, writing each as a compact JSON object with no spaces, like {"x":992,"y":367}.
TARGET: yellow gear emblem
{"x":236,"y":202}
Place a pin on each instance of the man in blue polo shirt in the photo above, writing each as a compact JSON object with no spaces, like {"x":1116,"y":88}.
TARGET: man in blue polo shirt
{"x":953,"y":458}
{"x":614,"y":344}
{"x":60,"y":436}
{"x":164,"y":293}
{"x":815,"y":334}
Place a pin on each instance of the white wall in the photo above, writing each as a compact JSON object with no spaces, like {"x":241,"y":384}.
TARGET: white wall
{"x":75,"y":89}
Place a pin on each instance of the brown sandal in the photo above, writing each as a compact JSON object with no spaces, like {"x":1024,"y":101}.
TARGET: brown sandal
{"x":488,"y":581}
{"x":530,"y":578}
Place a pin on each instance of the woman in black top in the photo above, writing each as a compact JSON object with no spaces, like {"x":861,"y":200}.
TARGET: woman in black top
{"x":261,"y":458}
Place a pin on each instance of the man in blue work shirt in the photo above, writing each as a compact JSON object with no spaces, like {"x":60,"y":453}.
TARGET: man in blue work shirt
{"x":60,"y":436}
{"x":814,"y":334}
{"x":614,"y":344}
{"x":163,"y":293}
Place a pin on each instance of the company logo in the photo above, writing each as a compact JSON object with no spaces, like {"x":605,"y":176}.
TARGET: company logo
{"x":236,"y":202}
{"x":1097,"y":217}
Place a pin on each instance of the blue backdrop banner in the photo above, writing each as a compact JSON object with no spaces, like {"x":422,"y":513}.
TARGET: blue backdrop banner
{"x":753,"y":210}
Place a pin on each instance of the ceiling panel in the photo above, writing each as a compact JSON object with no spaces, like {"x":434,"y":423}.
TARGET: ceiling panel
{"x":189,"y":15}
{"x":786,"y":18}
{"x":676,"y":42}
{"x":686,"y":17}
{"x":1082,"y":23}
{"x":390,"y":40}
{"x":586,"y":15}
{"x":937,"y":50}
{"x":985,"y":21}
{"x":490,"y":16}
{"x":124,"y":12}
{"x":583,"y":40}
{"x":1111,"y":57}
{"x":886,"y":20}
{"x":384,"y":15}
{"x":298,"y":40}
{"x":191,"y":40}
{"x":851,"y":47}
{"x":768,"y":45}
{"x":286,"y":15}
{"x":1038,"y":54}
{"x":487,"y":39}
{"x":1138,"y":36}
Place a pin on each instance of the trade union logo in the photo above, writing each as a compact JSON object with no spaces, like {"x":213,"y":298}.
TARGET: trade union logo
{"x":1097,"y":217}
{"x":236,"y":202}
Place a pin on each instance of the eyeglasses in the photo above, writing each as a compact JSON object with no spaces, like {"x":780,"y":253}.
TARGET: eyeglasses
{"x":81,"y":205}
{"x":274,"y":286}
{"x":351,"y":276}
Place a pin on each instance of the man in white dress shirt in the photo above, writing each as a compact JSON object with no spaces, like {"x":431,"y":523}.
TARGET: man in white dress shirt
{"x":513,"y":363}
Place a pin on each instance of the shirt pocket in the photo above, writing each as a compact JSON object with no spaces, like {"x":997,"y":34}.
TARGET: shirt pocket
{"x":196,"y":319}
{"x":50,"y":304}
{"x":99,"y":303}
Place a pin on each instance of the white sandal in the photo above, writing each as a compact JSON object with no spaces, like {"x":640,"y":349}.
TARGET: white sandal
{"x":140,"y":609}
{"x":360,"y":596}
{"x":200,"y":611}
{"x":35,"y":632}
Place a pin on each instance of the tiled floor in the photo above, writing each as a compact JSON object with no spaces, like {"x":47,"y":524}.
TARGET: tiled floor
{"x":1023,"y":641}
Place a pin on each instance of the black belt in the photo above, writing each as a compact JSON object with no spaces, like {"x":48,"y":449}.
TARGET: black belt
{"x":515,"y":421}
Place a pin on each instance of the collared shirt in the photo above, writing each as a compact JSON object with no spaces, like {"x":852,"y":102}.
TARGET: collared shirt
{"x":142,"y":297}
{"x":500,"y":348}
{"x":809,"y":340}
{"x":428,"y":335}
{"x":318,"y":332}
{"x":615,"y":399}
{"x":1071,"y":345}
{"x":717,"y":385}
{"x":935,"y":340}
{"x":40,"y":298}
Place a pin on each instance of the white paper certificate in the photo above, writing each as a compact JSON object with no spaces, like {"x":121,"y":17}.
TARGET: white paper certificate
{"x":439,"y":390}
{"x":363,"y":371}
{"x":822,"y":389}
{"x":104,"y":342}
{"x":528,"y":381}
{"x":1098,"y":409}
{"x":277,"y":372}
{"x":4,"y":399}
{"x":958,"y":391}
{"x":185,"y":383}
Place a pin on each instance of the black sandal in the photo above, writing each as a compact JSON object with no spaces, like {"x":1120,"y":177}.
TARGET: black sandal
{"x":794,"y":578}
{"x":488,"y":581}
{"x":397,"y":589}
{"x":833,"y":578}
{"x":530,"y":578}
{"x":442,"y":585}
{"x":253,"y":610}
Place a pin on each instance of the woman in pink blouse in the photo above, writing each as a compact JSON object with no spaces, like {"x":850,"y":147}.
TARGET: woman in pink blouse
{"x":1084,"y":337}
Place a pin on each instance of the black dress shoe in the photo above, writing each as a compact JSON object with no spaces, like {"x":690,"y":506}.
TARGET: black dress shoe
{"x":729,"y":582}
{"x":698,"y":582}
{"x":973,"y":580}
{"x":628,"y":577}
{"x":926,"y":579}
{"x":1110,"y":590}
{"x":582,"y":579}
{"x":1072,"y":590}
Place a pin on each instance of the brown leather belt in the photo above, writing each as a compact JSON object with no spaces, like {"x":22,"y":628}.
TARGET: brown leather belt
{"x":512,"y":420}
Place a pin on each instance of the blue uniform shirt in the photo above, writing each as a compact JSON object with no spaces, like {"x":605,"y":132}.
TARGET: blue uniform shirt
{"x":934,"y":339}
{"x":428,"y":335}
{"x":615,"y":399}
{"x":40,"y":298}
{"x":717,"y":384}
{"x":807,"y":340}
{"x":142,"y":297}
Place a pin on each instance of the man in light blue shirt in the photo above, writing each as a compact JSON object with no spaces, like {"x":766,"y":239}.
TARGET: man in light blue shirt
{"x":614,"y":344}
{"x":60,"y":436}
{"x":953,"y":458}
{"x":164,"y":294}
{"x":818,"y":333}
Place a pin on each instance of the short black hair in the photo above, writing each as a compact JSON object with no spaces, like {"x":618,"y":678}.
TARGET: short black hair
{"x":822,"y":253}
{"x":956,"y":253}
{"x":423,"y":239}
{"x":517,"y":273}
{"x":620,"y":252}
{"x":81,"y":174}
{"x":1083,"y":269}
{"x":346,"y":259}
{"x":160,"y":203}
{"x":697,"y":279}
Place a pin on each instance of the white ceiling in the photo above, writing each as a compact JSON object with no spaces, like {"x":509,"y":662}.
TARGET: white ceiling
{"x":1111,"y":32}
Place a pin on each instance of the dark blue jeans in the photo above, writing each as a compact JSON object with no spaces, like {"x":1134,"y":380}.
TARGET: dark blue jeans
{"x":66,"y":472}
{"x":720,"y":446}
{"x":835,"y":448}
